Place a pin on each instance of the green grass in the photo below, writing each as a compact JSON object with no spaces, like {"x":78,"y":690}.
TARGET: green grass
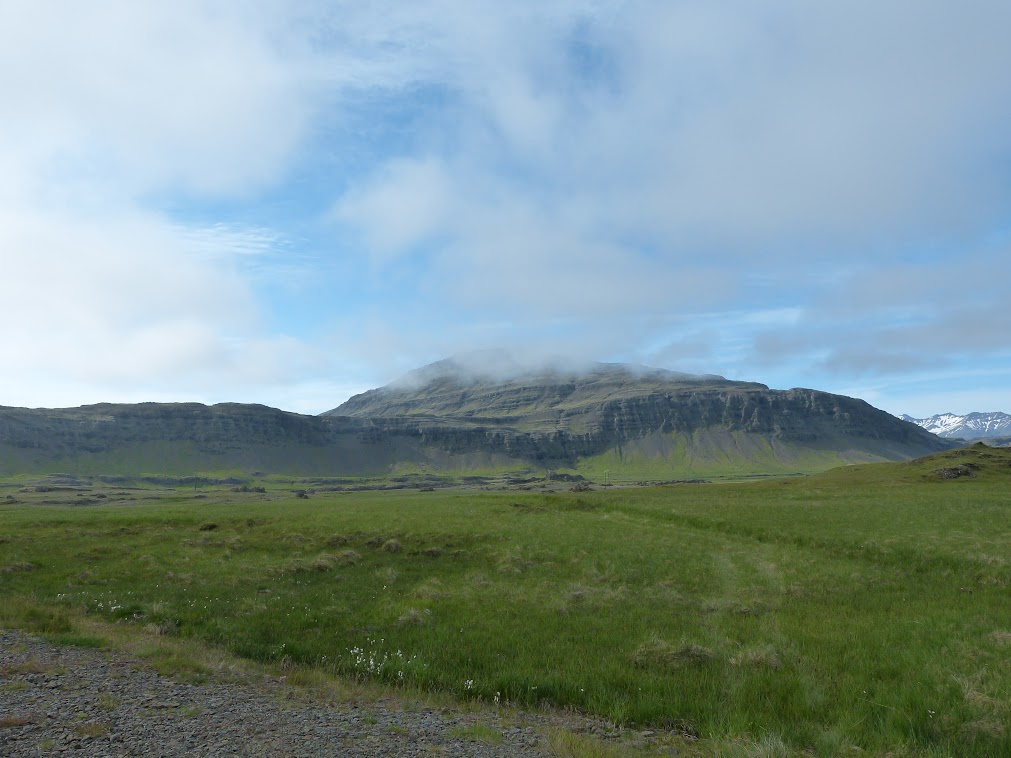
{"x":478,"y":732}
{"x":714,"y":454}
{"x":865,"y":607}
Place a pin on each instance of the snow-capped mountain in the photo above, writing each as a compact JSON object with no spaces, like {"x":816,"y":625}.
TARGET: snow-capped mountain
{"x":968,"y":427}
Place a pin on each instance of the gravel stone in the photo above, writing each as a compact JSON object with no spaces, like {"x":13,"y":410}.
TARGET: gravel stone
{"x":104,"y":703}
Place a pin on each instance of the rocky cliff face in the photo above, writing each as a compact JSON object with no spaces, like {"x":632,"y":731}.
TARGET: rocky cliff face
{"x":563,"y":417}
{"x":97,"y":428}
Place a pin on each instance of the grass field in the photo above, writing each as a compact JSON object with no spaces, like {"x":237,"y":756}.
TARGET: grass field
{"x":867,"y":607}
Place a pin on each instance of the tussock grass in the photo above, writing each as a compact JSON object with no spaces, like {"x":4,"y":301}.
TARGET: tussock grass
{"x":74,"y":639}
{"x":31,"y":666}
{"x":566,"y":744}
{"x":92,"y":729}
{"x":658,"y":653}
{"x":758,"y":656}
{"x":478,"y":732}
{"x":413,"y":616}
{"x":18,"y":719}
{"x":347,"y":558}
{"x":431,"y":589}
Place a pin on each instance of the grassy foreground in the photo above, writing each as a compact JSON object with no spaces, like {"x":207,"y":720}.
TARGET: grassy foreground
{"x":866,"y":607}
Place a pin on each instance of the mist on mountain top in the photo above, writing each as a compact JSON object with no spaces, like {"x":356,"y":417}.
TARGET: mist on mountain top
{"x":501,"y":366}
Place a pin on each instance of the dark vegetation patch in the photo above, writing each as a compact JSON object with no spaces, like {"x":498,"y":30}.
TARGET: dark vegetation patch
{"x":172,"y":481}
{"x":423,"y":482}
{"x":94,"y":553}
{"x":529,"y":507}
{"x":426,"y":545}
{"x":673,"y":481}
{"x":658,"y":653}
{"x":322,"y":563}
{"x":955,"y":472}
{"x":579,"y":504}
{"x":550,"y":502}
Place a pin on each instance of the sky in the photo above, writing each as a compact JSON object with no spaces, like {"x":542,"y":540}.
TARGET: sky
{"x":292,"y":201}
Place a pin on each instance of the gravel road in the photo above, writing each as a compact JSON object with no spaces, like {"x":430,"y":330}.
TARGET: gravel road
{"x":56,"y":700}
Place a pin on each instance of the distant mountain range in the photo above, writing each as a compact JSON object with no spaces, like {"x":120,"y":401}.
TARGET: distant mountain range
{"x":476,"y":415}
{"x":969,"y":427}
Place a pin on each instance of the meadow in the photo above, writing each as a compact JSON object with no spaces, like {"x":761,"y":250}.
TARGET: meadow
{"x":866,"y":607}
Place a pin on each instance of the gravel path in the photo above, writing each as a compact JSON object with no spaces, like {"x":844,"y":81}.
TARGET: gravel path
{"x":56,"y":700}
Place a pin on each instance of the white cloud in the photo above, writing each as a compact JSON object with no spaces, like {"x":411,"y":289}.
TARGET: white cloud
{"x":139,"y":97}
{"x":119,"y":302}
{"x":109,"y":109}
{"x":748,"y":185}
{"x":402,"y":208}
{"x":702,"y":147}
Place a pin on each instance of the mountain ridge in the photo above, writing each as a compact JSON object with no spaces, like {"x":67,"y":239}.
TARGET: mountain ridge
{"x":648,"y":423}
{"x":971,"y":426}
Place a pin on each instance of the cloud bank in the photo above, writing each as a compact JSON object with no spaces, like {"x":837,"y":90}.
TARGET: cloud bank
{"x":281,"y":201}
{"x":112,"y":110}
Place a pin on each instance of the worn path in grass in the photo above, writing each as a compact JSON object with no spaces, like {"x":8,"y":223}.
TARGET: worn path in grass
{"x":100,"y":703}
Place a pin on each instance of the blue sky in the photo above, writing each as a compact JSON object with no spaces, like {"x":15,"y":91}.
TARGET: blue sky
{"x":291,"y":202}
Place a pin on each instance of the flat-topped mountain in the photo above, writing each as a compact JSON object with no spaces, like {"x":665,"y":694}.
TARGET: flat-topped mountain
{"x":462,"y":415}
{"x":611,"y":416}
{"x":542,"y":401}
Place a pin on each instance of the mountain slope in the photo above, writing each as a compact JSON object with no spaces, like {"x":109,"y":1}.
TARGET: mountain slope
{"x":641,"y":421}
{"x":606,"y":420}
{"x":183,"y":438}
{"x":969,"y":427}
